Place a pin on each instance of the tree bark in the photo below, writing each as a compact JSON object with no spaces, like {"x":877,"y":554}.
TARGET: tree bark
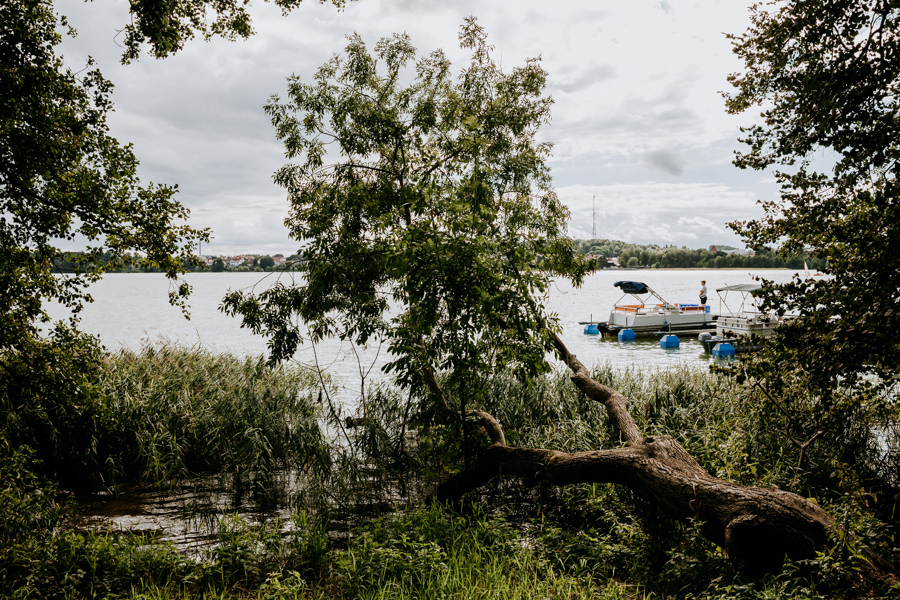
{"x":756,"y":525}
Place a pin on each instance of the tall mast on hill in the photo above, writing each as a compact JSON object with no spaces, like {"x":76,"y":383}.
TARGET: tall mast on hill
{"x":594,"y":230}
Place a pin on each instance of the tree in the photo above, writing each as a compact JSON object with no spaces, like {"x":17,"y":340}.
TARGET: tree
{"x":218,"y":265}
{"x":437,"y":198}
{"x":64,"y":178}
{"x":827,"y":76}
{"x":266,"y":262}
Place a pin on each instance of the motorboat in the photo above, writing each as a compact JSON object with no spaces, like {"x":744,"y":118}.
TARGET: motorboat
{"x":740,"y":319}
{"x":648,"y":314}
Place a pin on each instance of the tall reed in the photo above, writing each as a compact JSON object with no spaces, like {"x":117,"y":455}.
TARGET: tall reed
{"x":174,"y":412}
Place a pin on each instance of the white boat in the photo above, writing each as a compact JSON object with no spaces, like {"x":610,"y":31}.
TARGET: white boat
{"x":650,"y":314}
{"x":740,"y":317}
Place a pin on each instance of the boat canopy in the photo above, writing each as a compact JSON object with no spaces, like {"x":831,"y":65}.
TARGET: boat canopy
{"x":740,"y":287}
{"x":633,"y":287}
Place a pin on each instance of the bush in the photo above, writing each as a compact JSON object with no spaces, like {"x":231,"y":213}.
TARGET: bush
{"x":51,"y":402}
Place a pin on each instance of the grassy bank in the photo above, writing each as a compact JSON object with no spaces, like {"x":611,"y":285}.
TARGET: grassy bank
{"x":359,"y":525}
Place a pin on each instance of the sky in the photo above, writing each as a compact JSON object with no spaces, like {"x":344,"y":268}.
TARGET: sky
{"x":641,"y":138}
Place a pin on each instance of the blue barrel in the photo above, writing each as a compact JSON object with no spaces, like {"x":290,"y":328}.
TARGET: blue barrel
{"x":723,"y":350}
{"x":591,"y":329}
{"x":626,"y":335}
{"x":669,"y":341}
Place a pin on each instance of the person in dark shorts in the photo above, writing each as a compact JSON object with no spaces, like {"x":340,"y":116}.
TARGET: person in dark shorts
{"x":703,"y":293}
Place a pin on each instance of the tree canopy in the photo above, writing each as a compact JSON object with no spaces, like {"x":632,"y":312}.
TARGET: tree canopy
{"x":165,"y":26}
{"x":64,"y":179}
{"x":827,"y":77}
{"x":425,"y":208}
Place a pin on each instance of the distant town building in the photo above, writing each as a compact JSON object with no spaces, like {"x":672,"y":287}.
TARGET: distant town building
{"x":730,"y":250}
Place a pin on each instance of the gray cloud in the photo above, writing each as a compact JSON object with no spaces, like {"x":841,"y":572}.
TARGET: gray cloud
{"x":666,"y":161}
{"x":584,"y":79}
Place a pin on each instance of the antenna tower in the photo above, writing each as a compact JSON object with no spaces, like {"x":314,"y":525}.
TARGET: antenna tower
{"x":594,"y":230}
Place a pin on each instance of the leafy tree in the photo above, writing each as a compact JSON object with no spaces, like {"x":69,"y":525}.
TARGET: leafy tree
{"x":827,"y":75}
{"x":166,"y":26}
{"x":218,"y":265}
{"x":64,"y":179}
{"x":432,"y":224}
{"x":265,"y":262}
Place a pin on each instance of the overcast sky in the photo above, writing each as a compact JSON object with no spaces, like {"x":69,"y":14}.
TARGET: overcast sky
{"x":638,"y":120}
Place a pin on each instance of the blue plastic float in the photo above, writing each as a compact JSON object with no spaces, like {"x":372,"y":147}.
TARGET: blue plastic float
{"x":626,"y":335}
{"x":669,"y":341}
{"x":723,"y":350}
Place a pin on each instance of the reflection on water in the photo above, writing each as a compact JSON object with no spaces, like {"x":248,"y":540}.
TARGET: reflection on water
{"x":190,"y":514}
{"x":185,"y":514}
{"x":646,"y":353}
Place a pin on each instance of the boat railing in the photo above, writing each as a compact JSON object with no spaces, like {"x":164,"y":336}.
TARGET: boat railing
{"x":636,"y":309}
{"x":692,"y":307}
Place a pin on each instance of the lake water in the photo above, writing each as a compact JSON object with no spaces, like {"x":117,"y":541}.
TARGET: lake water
{"x":132,"y":309}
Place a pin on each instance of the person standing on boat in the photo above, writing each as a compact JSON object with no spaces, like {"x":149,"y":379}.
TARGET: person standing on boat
{"x":703,"y":292}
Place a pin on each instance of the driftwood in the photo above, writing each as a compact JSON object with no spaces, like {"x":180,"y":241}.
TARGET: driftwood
{"x":756,"y":525}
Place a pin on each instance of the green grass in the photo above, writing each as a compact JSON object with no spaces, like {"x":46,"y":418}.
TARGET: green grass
{"x":158,"y":416}
{"x":437,"y":553}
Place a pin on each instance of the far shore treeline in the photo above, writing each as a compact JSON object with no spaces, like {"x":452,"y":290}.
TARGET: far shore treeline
{"x":713,"y":257}
{"x":608,"y":253}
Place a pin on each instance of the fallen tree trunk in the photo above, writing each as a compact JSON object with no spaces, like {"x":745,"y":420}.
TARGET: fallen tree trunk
{"x":756,"y":525}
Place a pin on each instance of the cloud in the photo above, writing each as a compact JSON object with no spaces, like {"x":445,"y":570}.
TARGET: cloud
{"x":666,"y":161}
{"x":595,"y":74}
{"x":636,"y":96}
{"x":680,"y":214}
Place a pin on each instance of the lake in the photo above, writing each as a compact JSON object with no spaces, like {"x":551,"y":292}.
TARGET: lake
{"x":132,"y":309}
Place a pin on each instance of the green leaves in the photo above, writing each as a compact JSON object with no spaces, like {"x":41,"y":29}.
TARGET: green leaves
{"x":166,"y":26}
{"x":425,"y":208}
{"x":827,"y":76}
{"x":63,"y":178}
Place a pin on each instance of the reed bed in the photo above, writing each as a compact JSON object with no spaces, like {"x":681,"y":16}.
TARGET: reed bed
{"x":173,"y":413}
